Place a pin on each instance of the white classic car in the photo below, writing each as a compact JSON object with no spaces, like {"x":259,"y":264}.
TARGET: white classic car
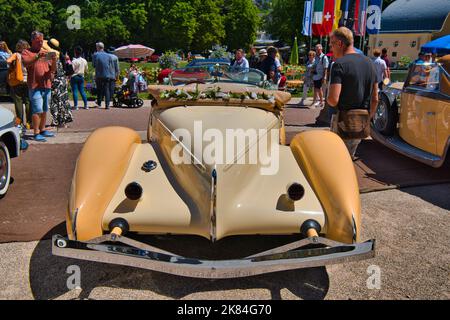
{"x":9,"y":147}
{"x":216,"y":165}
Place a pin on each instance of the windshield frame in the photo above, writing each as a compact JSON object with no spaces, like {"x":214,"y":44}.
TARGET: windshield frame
{"x":214,"y":73}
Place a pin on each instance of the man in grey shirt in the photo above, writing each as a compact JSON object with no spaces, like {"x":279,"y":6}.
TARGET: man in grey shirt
{"x":319,"y":76}
{"x":106,"y":73}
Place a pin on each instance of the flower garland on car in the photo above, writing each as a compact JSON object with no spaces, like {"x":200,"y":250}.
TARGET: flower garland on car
{"x":214,"y":94}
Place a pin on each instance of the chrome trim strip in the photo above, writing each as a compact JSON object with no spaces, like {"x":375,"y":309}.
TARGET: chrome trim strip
{"x":213,"y":212}
{"x":320,"y":252}
{"x":398,"y":144}
{"x":196,"y":162}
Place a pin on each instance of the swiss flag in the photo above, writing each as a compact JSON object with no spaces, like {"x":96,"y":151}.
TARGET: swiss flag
{"x":328,"y":17}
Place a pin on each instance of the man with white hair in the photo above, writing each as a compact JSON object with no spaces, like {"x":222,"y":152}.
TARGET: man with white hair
{"x":105,"y":75}
{"x":319,"y":75}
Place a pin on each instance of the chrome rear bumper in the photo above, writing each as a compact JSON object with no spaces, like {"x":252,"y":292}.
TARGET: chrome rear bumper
{"x":306,"y":253}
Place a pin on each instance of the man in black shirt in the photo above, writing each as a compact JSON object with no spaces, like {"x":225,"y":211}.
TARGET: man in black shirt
{"x":269,"y":64}
{"x":353,"y":85}
{"x":253,"y":59}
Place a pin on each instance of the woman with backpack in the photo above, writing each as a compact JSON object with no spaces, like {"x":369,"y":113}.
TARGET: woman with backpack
{"x":17,"y":80}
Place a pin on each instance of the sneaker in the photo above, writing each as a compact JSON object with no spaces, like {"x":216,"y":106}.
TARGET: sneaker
{"x":23,"y":145}
{"x":75,"y":108}
{"x":86,"y":108}
{"x":302,"y":103}
{"x":39,"y":138}
{"x":47,"y":134}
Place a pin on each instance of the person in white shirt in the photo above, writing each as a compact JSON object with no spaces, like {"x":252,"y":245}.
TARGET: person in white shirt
{"x":80,"y":67}
{"x":241,"y":62}
{"x":380,"y":67}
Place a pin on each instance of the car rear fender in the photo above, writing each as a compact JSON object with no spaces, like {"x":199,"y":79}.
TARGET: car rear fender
{"x":11,"y":141}
{"x":100,"y":168}
{"x":326,"y":163}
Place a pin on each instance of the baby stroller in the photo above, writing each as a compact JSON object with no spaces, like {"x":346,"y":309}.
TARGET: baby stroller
{"x":127,"y":94}
{"x":124,"y":96}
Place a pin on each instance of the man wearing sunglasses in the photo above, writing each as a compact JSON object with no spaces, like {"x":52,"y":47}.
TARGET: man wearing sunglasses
{"x":353,"y":90}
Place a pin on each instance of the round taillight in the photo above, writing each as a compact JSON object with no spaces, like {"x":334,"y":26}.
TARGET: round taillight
{"x":295,"y":192}
{"x":133,"y":191}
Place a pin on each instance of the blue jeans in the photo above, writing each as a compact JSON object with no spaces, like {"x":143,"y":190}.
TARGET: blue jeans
{"x":77,"y":84}
{"x":40,"y":100}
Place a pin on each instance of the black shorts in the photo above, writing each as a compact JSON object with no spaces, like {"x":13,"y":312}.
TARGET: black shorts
{"x":318,"y":83}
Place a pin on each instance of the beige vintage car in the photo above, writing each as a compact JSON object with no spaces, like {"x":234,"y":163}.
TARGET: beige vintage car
{"x":413,"y":118}
{"x":216,"y":166}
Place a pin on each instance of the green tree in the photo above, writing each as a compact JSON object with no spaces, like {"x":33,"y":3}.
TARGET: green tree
{"x":180,"y":25}
{"x":19,"y":18}
{"x":241,"y":23}
{"x":285,"y":19}
{"x":210,"y":22}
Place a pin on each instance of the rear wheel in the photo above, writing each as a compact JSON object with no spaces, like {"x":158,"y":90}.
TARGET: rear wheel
{"x":116,"y":103}
{"x":5,"y":169}
{"x":139,"y":103}
{"x":386,"y":117}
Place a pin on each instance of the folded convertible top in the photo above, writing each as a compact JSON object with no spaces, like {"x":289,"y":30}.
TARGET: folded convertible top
{"x":219,"y":94}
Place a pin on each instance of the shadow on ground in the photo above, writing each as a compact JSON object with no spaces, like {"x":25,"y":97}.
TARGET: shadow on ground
{"x":440,"y":197}
{"x":48,"y":275}
{"x":380,"y":167}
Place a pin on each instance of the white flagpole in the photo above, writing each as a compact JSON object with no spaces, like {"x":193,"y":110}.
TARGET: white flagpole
{"x":312,"y":16}
{"x":365,"y":26}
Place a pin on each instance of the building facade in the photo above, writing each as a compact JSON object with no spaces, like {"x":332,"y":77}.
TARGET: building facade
{"x":406,"y":25}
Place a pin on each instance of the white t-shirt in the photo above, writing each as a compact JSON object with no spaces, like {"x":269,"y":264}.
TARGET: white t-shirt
{"x":277,"y":63}
{"x":80,"y":66}
{"x":321,"y":67}
{"x":380,"y":67}
{"x":243,"y":64}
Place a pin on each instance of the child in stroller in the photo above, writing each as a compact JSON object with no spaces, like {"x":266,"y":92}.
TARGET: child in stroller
{"x":127,"y":93}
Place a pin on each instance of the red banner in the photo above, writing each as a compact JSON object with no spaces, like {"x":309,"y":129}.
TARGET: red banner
{"x":328,"y":17}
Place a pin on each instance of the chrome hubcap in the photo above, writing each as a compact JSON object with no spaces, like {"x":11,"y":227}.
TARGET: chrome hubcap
{"x":381,"y":116}
{"x":3,"y":169}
